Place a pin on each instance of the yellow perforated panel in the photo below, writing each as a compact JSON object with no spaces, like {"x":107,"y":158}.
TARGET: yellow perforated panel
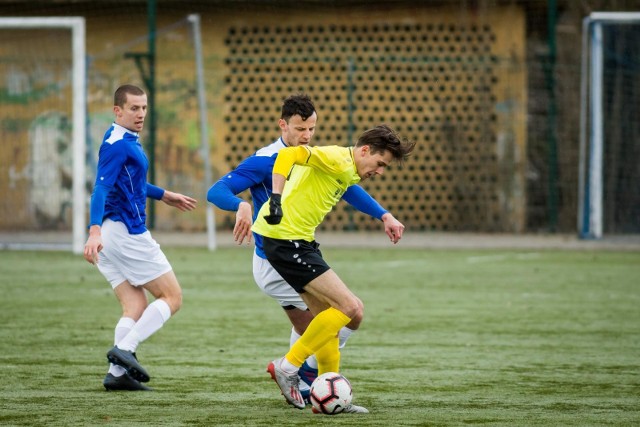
{"x":444,"y":83}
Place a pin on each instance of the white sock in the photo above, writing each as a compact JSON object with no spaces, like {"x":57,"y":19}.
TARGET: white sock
{"x":288,"y":367}
{"x":122,"y":329}
{"x":154,"y":316}
{"x":343,"y":336}
{"x":292,"y":340}
{"x":294,"y":337}
{"x":312,"y":362}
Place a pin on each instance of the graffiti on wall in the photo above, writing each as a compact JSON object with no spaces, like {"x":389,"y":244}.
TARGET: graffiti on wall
{"x":48,"y":171}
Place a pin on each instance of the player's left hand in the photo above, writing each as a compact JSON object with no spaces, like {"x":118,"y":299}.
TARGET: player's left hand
{"x":275,"y":209}
{"x":180,"y":201}
{"x":392,"y":227}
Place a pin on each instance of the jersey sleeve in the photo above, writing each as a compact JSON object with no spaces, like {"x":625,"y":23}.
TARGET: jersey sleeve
{"x":154,"y":192}
{"x":98,"y":199}
{"x":357,"y":197}
{"x":110,"y":161}
{"x":287,"y":157}
{"x":252,"y":171}
{"x":221,"y":195}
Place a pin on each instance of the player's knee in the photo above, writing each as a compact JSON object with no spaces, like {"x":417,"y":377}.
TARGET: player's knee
{"x":356,"y":313}
{"x":354,"y":324}
{"x":357,"y":319}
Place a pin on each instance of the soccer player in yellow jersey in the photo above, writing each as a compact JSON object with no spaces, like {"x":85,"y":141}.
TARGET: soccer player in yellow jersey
{"x":316,"y":178}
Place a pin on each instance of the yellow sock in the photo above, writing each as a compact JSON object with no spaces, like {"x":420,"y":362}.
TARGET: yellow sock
{"x":323,"y":327}
{"x":329,"y":357}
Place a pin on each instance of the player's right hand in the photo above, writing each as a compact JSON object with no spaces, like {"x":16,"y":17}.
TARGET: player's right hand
{"x":275,"y":209}
{"x":242,"y":228}
{"x":392,"y":227}
{"x":92,"y":248}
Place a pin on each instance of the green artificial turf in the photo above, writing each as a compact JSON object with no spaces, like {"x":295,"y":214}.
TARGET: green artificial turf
{"x":450,"y":338}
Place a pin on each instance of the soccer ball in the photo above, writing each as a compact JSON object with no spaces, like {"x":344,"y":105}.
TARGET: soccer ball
{"x":330,"y":393}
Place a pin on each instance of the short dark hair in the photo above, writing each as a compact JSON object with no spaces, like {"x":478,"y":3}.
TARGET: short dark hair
{"x":382,"y":138}
{"x":299,"y":104}
{"x":120,"y":97}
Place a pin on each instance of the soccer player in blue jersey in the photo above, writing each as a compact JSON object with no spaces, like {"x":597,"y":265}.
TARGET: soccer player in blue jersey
{"x":122,"y":247}
{"x":297,"y":123}
{"x":307,"y":183}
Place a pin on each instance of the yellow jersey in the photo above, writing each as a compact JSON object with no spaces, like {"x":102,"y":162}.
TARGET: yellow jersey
{"x":314,"y":186}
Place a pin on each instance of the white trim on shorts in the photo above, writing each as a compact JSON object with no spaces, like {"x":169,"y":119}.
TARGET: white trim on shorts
{"x":272,"y":284}
{"x":136,"y":258}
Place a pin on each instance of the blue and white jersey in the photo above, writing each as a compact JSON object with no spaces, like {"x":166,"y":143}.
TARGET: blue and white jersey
{"x":120,"y":191}
{"x":255,"y":174}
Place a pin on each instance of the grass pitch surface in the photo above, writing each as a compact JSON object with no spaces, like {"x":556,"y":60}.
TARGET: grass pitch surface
{"x":450,"y":338}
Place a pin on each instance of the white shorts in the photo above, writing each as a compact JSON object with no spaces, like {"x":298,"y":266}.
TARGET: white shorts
{"x":135,"y":258}
{"x":272,"y":284}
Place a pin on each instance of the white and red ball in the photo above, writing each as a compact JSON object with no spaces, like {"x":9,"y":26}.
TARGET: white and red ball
{"x":331,"y":393}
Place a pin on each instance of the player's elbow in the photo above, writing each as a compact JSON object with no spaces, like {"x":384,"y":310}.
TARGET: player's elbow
{"x":212,"y":194}
{"x":221,"y":196}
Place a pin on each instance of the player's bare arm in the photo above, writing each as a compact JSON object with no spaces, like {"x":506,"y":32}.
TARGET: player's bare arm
{"x":287,"y":157}
{"x":278,"y":183}
{"x":244,"y":220}
{"x":180,"y":201}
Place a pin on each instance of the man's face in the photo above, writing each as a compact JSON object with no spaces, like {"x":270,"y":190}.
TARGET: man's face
{"x":298,"y":131}
{"x":132,"y":114}
{"x":369,"y":164}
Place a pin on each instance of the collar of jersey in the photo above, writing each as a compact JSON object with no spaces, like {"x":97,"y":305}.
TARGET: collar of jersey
{"x":125,"y":129}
